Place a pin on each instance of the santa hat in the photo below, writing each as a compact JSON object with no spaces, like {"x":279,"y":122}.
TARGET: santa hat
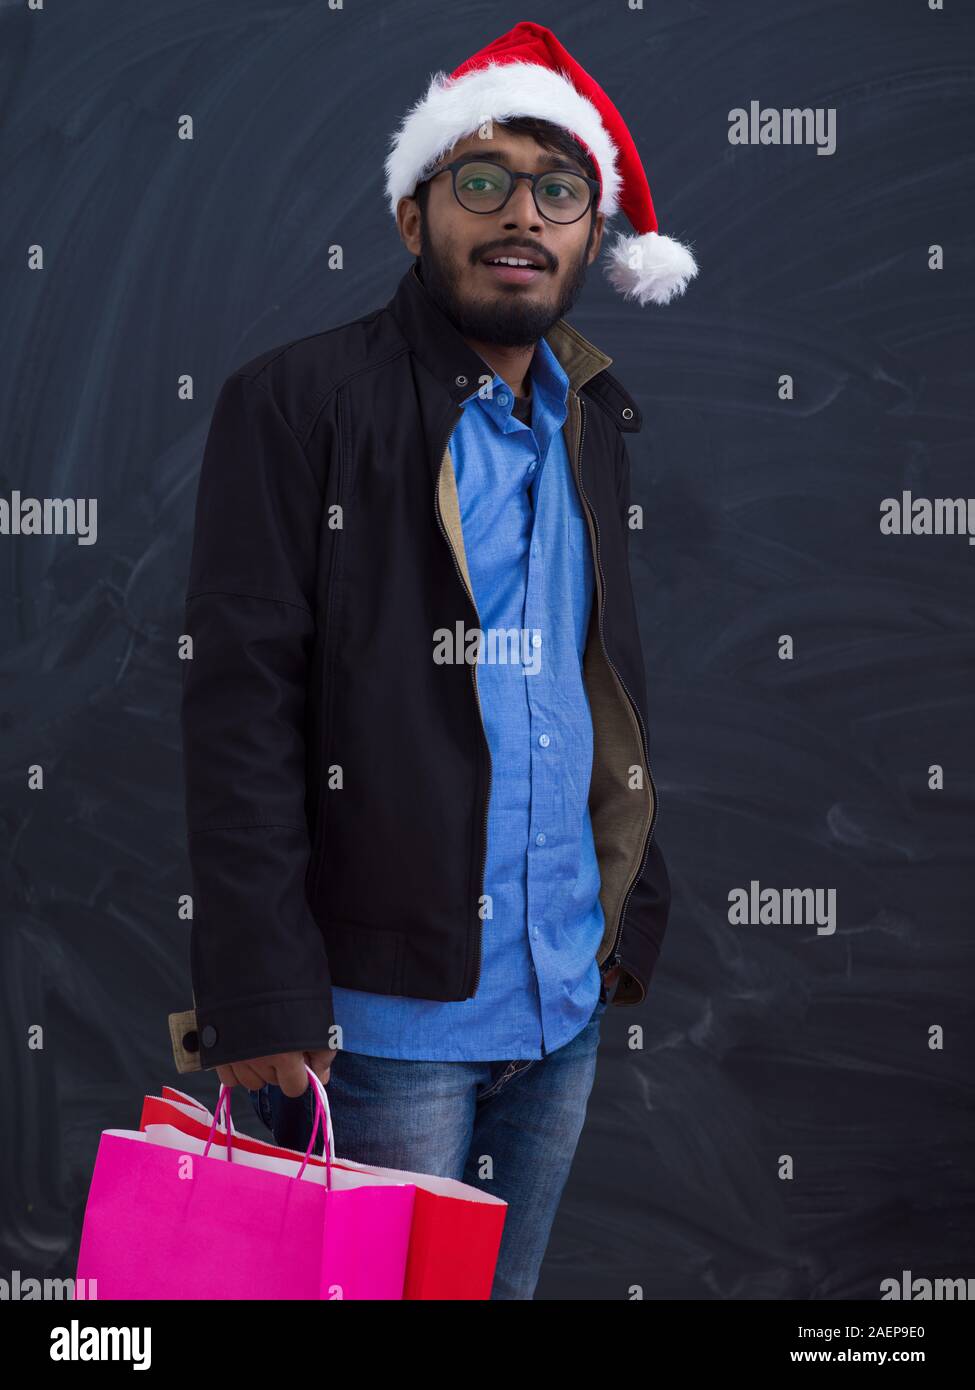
{"x":527,"y":72}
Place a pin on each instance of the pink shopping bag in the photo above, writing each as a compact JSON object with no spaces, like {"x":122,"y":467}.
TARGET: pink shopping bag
{"x":173,"y":1216}
{"x":456,"y":1233}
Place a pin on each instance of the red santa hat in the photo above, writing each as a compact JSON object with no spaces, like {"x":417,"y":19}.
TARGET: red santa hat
{"x":527,"y":72}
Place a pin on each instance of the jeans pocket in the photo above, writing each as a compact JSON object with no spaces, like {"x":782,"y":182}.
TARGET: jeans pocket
{"x":262,"y":1104}
{"x":292,"y":1118}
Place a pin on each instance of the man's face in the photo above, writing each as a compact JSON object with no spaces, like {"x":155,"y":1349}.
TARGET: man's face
{"x":495,"y":304}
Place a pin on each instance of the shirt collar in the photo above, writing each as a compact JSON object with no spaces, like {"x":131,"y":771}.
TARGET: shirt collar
{"x":550,"y":388}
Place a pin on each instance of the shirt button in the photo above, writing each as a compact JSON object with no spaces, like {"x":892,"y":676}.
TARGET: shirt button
{"x":502,"y":400}
{"x":544,"y":740}
{"x":208,"y":1036}
{"x":540,"y":838}
{"x":536,"y":639}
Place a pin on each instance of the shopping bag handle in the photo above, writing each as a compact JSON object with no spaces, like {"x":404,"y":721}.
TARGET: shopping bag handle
{"x":322,"y":1110}
{"x":323,"y":1113}
{"x":223,"y":1103}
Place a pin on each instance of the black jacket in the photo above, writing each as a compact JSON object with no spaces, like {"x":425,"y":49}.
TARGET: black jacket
{"x":337,"y":778}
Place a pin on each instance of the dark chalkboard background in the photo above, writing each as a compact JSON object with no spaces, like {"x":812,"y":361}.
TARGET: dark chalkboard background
{"x":164,"y":257}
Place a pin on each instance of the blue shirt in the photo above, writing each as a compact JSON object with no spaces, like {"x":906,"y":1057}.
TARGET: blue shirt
{"x":528,"y":554}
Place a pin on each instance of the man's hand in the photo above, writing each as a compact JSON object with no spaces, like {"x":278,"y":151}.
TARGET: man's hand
{"x":284,"y":1069}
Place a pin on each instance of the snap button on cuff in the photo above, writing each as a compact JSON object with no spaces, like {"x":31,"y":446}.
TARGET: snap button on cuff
{"x":209,"y":1036}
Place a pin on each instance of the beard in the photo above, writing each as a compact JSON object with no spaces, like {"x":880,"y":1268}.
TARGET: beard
{"x":509,"y":319}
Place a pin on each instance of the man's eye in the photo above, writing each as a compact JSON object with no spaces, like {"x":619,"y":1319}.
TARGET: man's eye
{"x":480,"y":183}
{"x":553,"y":190}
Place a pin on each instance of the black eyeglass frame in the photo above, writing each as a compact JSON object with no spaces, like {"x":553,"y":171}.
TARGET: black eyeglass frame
{"x":514,"y":175}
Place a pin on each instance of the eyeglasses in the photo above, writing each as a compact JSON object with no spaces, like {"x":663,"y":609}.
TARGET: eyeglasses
{"x":484,"y":185}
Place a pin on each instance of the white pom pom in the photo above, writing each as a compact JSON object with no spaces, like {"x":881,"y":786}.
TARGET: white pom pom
{"x":649,"y":267}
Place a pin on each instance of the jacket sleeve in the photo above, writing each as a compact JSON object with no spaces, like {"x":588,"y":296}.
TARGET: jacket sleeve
{"x":261,"y":982}
{"x":649,"y":904}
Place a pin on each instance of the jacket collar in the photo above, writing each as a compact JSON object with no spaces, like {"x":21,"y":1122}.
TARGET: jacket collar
{"x":435,"y":341}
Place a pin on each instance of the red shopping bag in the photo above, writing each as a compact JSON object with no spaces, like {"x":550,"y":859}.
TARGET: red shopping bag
{"x":174,"y":1214}
{"x":456,"y":1231}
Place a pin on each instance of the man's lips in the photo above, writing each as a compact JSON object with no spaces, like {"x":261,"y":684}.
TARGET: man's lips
{"x":513,"y":274}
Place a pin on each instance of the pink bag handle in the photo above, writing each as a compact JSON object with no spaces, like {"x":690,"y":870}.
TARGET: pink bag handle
{"x":323,"y":1114}
{"x":321,"y":1110}
{"x":223,"y":1103}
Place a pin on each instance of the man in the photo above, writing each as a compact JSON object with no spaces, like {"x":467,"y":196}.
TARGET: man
{"x":418,"y":789}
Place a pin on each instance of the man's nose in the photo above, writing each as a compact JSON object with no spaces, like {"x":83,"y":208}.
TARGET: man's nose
{"x":521,"y":208}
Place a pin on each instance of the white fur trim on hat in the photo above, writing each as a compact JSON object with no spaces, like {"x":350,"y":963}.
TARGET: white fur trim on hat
{"x":453,"y":108}
{"x":649,"y":267}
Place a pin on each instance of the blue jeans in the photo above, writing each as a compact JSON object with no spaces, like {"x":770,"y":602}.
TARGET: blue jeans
{"x":443,"y":1118}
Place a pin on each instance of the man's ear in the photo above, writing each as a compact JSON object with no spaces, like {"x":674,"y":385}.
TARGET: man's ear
{"x":597,"y":237}
{"x":409,"y":221}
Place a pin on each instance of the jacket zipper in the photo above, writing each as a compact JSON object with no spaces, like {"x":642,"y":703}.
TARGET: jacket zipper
{"x":480,"y":714}
{"x":613,"y":957}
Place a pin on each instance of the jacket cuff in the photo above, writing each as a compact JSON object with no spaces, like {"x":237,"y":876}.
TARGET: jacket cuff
{"x":635,"y":978}
{"x":210,"y":1036}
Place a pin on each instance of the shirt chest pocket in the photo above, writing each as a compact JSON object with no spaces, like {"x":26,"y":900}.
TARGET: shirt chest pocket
{"x":578,"y":537}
